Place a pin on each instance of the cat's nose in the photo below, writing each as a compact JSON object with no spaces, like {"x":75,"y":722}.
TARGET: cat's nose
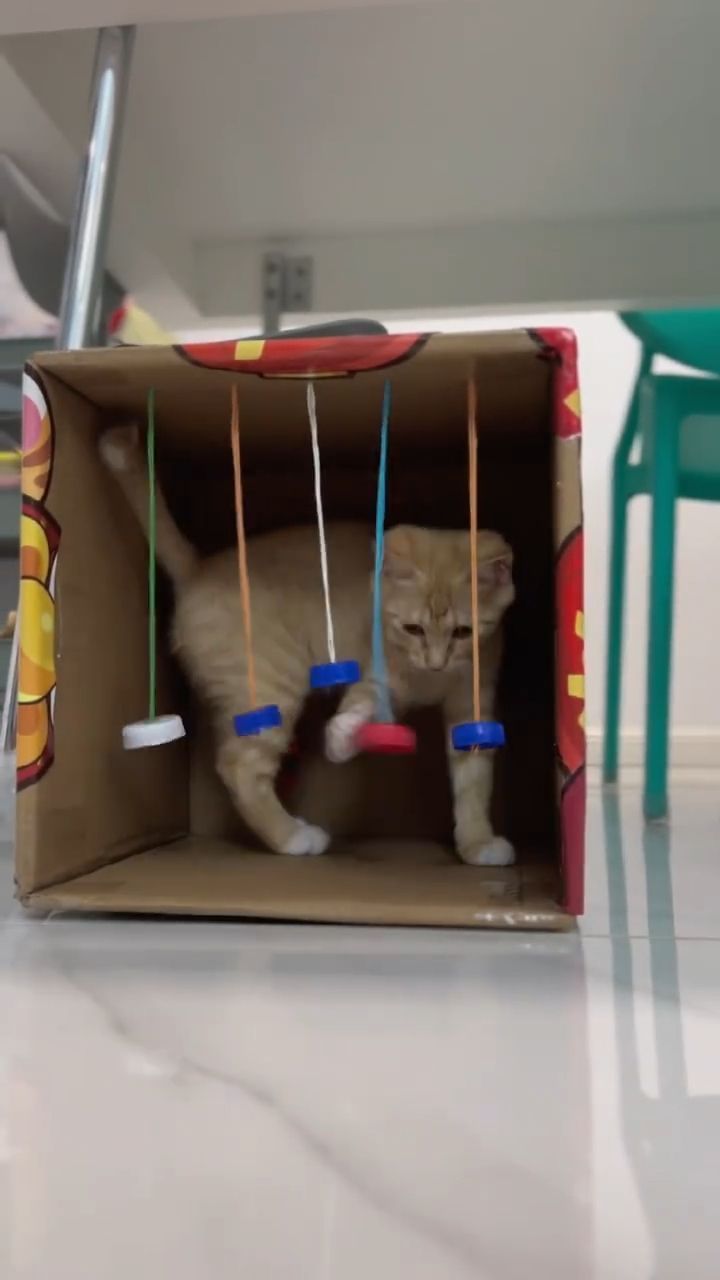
{"x":436,"y":661}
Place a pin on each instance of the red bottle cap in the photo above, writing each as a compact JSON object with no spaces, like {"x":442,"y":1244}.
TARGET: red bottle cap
{"x":386,"y":739}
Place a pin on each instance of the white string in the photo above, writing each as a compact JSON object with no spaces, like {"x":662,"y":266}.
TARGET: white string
{"x":312,"y":414}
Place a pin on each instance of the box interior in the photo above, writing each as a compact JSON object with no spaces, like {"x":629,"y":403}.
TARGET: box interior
{"x":154,"y":831}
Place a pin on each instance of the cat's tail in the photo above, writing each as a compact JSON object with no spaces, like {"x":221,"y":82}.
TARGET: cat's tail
{"x":121,"y":451}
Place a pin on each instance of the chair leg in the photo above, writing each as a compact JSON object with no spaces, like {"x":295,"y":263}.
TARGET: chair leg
{"x":616,"y":576}
{"x":660,"y":614}
{"x":616,"y":604}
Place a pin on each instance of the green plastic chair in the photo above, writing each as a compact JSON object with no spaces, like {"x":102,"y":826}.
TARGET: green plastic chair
{"x":669,"y":449}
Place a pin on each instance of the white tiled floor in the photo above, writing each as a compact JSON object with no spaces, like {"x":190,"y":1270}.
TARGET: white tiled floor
{"x":199,"y":1101}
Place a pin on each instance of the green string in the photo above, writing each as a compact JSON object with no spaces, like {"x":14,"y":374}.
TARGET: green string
{"x":152,"y":566}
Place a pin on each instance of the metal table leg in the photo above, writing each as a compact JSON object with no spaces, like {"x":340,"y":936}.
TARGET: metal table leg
{"x":79,"y":318}
{"x":7,"y":725}
{"x":80,"y":306}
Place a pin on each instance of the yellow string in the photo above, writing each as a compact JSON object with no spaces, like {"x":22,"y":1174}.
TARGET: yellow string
{"x":473,"y":486}
{"x":242,"y":550}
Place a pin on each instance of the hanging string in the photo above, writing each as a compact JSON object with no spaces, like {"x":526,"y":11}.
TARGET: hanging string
{"x":152,"y":558}
{"x":242,"y":550}
{"x":384,"y":707}
{"x":473,"y":486}
{"x":312,"y":415}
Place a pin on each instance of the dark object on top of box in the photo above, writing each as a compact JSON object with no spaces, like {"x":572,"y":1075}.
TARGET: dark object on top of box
{"x":100,"y":829}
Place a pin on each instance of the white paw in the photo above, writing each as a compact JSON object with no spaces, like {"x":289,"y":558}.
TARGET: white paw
{"x":120,"y":447}
{"x":306,"y":840}
{"x":497,"y":852}
{"x":340,"y":734}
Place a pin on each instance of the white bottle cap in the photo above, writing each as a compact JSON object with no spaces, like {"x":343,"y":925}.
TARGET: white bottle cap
{"x":152,"y":733}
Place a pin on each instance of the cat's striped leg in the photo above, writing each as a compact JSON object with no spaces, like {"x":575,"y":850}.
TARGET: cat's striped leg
{"x":471,"y":775}
{"x":249,"y":767}
{"x":356,"y":709}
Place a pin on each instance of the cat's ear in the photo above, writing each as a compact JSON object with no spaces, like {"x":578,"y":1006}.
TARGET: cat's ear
{"x":399,"y":559}
{"x":496,"y":572}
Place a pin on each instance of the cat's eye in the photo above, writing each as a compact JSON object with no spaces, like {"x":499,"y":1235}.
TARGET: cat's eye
{"x":462,"y":633}
{"x":414,"y":629}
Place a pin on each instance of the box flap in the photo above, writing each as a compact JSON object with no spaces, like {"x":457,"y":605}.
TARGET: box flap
{"x":193,"y":400}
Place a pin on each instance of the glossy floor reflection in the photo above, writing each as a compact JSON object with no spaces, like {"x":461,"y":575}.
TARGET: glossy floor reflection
{"x":212,"y":1100}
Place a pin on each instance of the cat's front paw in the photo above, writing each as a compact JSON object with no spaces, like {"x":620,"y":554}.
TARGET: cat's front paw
{"x":341,"y":733}
{"x":306,"y":840}
{"x":496,"y":852}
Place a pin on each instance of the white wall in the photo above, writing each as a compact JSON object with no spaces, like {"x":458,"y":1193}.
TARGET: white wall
{"x":608,"y":359}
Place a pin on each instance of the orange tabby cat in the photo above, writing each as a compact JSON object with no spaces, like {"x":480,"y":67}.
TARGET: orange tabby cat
{"x":427,"y":623}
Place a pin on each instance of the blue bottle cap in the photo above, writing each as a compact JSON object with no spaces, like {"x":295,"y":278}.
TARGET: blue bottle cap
{"x":478,"y":735}
{"x":326,"y":674}
{"x":251,"y":722}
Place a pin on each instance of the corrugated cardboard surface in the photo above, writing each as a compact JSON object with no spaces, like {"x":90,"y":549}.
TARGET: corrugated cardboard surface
{"x":93,"y":831}
{"x":369,"y":882}
{"x":97,"y":801}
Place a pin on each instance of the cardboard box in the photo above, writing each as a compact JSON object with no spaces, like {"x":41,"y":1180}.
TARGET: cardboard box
{"x":101,"y":829}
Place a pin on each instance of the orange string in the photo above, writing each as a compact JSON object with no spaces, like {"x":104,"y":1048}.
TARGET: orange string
{"x":473,"y":486}
{"x":242,"y":549}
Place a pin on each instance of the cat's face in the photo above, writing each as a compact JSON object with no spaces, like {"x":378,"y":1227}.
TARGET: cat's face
{"x":426,"y":594}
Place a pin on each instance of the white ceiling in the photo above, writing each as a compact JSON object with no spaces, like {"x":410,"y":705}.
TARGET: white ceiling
{"x":379,"y":119}
{"x":21,"y":16}
{"x":387,"y":121}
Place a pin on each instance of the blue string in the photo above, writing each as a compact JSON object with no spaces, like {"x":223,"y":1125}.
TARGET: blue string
{"x":384,"y":708}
